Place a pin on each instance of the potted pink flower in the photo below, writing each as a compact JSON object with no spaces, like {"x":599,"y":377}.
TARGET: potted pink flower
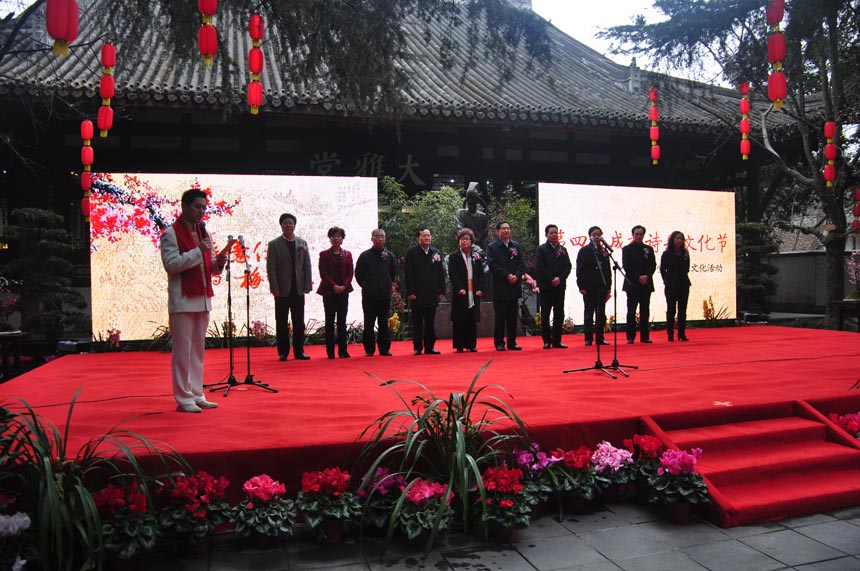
{"x":265,"y":509}
{"x":678,"y":484}
{"x":612,"y":466}
{"x":424,"y":508}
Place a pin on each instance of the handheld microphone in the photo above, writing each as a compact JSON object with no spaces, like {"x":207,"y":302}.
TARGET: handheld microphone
{"x":202,"y":229}
{"x":605,"y":245}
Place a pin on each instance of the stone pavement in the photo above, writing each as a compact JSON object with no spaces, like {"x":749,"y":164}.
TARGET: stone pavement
{"x":622,"y":536}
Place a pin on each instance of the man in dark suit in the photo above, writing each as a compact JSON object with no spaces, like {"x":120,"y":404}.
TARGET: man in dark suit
{"x":505,"y":259}
{"x":552,"y":266}
{"x":594,"y":280}
{"x":425,"y":286}
{"x":288,"y":263}
{"x":639,"y":263}
{"x":375,"y":271}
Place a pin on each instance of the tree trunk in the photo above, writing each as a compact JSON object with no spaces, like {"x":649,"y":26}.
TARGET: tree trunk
{"x":834,"y":244}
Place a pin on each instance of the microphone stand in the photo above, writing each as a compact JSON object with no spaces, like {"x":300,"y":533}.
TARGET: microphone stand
{"x":598,"y":364}
{"x":616,"y":366}
{"x":231,"y":378}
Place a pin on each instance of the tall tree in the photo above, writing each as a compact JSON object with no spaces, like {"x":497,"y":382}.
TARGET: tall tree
{"x":823,"y":55}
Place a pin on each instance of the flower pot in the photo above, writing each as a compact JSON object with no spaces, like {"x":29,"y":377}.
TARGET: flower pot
{"x":643,"y":492}
{"x":679,"y":512}
{"x":611,"y":494}
{"x":574,"y":503}
{"x":114,"y":563}
{"x":504,"y":533}
{"x":419,"y":542}
{"x":332,"y":531}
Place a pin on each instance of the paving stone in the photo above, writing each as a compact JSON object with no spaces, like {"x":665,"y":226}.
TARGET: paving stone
{"x":585,"y":523}
{"x":312,"y":555}
{"x":731,"y":555}
{"x":750,"y":530}
{"x":636,"y":513}
{"x":554,"y":553}
{"x":624,"y":543}
{"x":489,"y":558}
{"x":840,"y":535}
{"x":543,"y":527}
{"x":852,"y":512}
{"x":841,"y":564}
{"x":669,"y":561}
{"x":236,"y":557}
{"x":602,"y":566}
{"x":683,"y":535}
{"x":791,"y":548}
{"x":803,"y":520}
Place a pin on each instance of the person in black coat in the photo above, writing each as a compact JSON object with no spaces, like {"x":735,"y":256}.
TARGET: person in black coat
{"x":639,"y":263}
{"x":594,"y":280}
{"x":505,"y":258}
{"x":675,"y":269}
{"x":425,"y":286}
{"x":552,"y":266}
{"x":375,"y":271}
{"x":466,"y":270}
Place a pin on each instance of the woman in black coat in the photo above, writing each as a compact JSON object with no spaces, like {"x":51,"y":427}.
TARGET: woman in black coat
{"x":674,"y":268}
{"x":466,"y":271}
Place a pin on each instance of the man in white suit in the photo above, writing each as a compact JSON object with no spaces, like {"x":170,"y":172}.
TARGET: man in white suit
{"x":187,"y":256}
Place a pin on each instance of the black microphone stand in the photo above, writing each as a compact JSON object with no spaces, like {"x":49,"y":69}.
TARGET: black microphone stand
{"x":616,"y":366}
{"x":231,"y":378}
{"x":249,"y":379}
{"x":598,"y":364}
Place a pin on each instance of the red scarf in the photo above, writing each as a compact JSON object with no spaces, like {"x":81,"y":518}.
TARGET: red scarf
{"x":192,"y":285}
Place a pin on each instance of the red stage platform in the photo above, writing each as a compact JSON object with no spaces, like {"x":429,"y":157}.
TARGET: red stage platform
{"x":720,"y":380}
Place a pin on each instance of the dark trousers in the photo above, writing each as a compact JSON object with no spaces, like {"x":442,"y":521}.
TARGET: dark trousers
{"x":465,"y":333}
{"x":506,"y":322}
{"x":595,"y":306}
{"x":375,"y":315}
{"x":335,"y":306}
{"x":552,"y":299}
{"x":423,"y":328}
{"x":642,"y":298}
{"x":285,"y":306}
{"x":677,"y":297}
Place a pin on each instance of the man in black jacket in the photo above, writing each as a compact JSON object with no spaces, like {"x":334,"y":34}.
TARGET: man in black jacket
{"x":594,"y":280}
{"x":375,"y":271}
{"x":639,"y":263}
{"x":552,"y":266}
{"x":425,"y":286}
{"x":505,"y":259}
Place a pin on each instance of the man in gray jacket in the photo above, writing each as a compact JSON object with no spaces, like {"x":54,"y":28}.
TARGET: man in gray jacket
{"x":288,"y":264}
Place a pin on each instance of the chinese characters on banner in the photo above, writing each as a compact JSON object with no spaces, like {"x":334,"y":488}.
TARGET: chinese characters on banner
{"x":374,"y":165}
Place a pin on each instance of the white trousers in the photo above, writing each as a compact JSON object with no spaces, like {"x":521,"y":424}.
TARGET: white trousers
{"x":189,"y":342}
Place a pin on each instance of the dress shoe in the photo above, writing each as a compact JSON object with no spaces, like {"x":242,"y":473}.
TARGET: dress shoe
{"x":682,"y":337}
{"x":500,"y":347}
{"x":203,"y":403}
{"x":514,"y":347}
{"x":472,"y":349}
{"x":330,"y":355}
{"x":385,"y":354}
{"x":645,"y":341}
{"x":302,"y":357}
{"x":432,"y":352}
{"x":547,"y":345}
{"x":343,"y":355}
{"x":417,"y":351}
{"x":459,"y":349}
{"x":368,"y":354}
{"x":559,"y":346}
{"x":188,"y":408}
{"x":588,"y":343}
{"x":631,"y":341}
{"x":282,"y":357}
{"x":603,"y":342}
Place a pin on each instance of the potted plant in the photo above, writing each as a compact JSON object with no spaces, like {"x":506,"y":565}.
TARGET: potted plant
{"x":539,"y":479}
{"x":15,"y":542}
{"x":325,"y":502}
{"x":505,"y":505}
{"x":578,"y":483}
{"x":194,"y":507}
{"x":265,"y":511}
{"x":380,"y":497}
{"x":677,"y":484}
{"x":423,"y":510}
{"x":128,"y":525}
{"x":613,"y":467}
{"x":646,"y":451}
{"x":850,"y":423}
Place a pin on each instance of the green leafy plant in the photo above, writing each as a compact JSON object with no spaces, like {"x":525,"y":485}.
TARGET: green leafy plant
{"x":129,"y":526}
{"x":264,"y":510}
{"x":448,"y":440}
{"x":194,"y":506}
{"x":505,"y":503}
{"x":55,"y":484}
{"x":325,"y":495}
{"x":424,"y":506}
{"x":676,"y":480}
{"x":576,"y":472}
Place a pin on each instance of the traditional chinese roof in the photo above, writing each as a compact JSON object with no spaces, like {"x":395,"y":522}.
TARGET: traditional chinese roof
{"x":581,"y":87}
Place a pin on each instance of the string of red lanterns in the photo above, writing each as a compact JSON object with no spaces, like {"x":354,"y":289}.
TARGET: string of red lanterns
{"x":107,"y":88}
{"x":744,"y":88}
{"x":654,"y":115}
{"x":87,"y":156}
{"x":855,"y":225}
{"x":207,"y":37}
{"x":61,"y":21}
{"x":255,"y":63}
{"x":830,"y":153}
{"x":776,"y":50}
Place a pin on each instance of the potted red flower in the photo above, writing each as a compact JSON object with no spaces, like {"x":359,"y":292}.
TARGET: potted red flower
{"x":194,"y":507}
{"x":325,"y":498}
{"x":128,"y":526}
{"x":265,"y":509}
{"x":505,"y":504}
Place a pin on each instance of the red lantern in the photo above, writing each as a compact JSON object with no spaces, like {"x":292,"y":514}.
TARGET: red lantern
{"x":857,"y":210}
{"x":255,"y":27}
{"x":776,"y":88}
{"x":857,"y":195}
{"x":776,"y":47}
{"x":829,"y":174}
{"x":86,"y":180}
{"x":255,"y":61}
{"x":105,"y":120}
{"x":61,"y":19}
{"x":830,"y":152}
{"x":652,"y":94}
{"x":86,"y":129}
{"x":207,"y":40}
{"x":775,"y":12}
{"x":745,"y":106}
{"x":108,"y":55}
{"x":744,"y":87}
{"x":829,"y":130}
{"x":654,"y":114}
{"x":655,"y":153}
{"x":87,"y":156}
{"x":255,"y":96}
{"x":85,"y":206}
{"x":655,"y":133}
{"x":855,"y":226}
{"x":745,"y":147}
{"x":207,"y":7}
{"x":107,"y":88}
{"x":745,"y":126}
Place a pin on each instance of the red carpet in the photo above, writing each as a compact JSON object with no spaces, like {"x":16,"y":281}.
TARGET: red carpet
{"x":747,"y":375}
